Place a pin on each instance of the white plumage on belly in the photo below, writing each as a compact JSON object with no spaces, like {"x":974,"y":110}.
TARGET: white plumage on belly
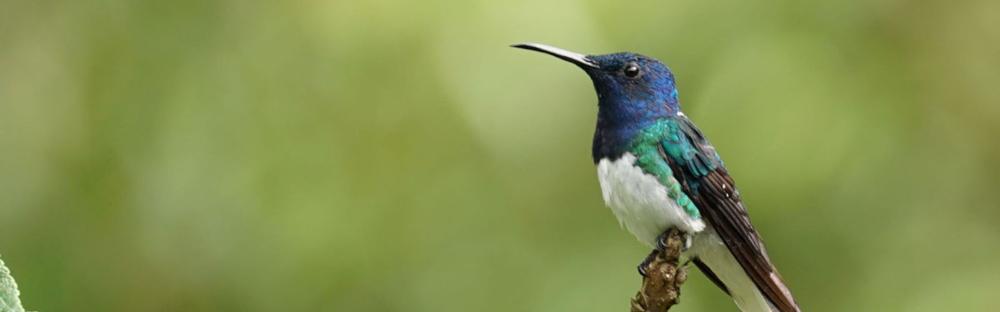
{"x":641,"y":204}
{"x":640,"y":201}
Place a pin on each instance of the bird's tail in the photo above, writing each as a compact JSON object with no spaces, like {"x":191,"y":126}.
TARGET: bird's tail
{"x":719,"y":265}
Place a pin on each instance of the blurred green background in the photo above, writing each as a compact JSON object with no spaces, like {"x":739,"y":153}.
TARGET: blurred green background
{"x":397,"y":156}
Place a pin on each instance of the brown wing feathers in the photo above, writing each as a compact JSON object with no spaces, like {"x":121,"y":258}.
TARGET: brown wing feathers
{"x":716,"y":197}
{"x":721,"y":205}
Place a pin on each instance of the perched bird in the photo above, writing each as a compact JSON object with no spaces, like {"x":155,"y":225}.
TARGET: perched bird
{"x":657,"y":171}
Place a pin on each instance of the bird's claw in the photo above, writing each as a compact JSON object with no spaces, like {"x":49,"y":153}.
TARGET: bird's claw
{"x":661,"y":246}
{"x":645,"y":263}
{"x":661,"y":242}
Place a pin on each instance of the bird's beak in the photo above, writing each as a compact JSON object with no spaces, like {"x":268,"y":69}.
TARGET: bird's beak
{"x":572,"y":57}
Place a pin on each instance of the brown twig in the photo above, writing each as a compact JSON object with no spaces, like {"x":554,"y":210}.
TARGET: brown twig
{"x":661,"y":287}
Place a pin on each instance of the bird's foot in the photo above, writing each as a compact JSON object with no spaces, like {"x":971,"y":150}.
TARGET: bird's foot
{"x":661,"y":246}
{"x":661,"y":241}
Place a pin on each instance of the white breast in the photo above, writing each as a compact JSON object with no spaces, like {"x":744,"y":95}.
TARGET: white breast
{"x":640,"y":201}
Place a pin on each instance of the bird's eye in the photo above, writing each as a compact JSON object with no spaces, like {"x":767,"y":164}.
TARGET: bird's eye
{"x":631,"y":70}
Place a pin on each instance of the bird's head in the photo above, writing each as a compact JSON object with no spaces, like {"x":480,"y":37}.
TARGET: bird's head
{"x":631,"y":88}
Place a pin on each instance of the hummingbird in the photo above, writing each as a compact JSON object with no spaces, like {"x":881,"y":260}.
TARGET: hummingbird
{"x":657,"y":170}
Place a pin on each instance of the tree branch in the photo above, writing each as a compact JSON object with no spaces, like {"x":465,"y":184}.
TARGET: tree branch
{"x":661,"y":287}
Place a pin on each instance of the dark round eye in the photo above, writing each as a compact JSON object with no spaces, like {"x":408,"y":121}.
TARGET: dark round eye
{"x":631,"y":70}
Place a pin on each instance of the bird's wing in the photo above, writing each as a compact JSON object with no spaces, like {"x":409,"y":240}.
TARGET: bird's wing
{"x":704,"y":179}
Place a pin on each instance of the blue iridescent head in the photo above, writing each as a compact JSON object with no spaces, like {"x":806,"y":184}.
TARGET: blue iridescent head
{"x":632,"y":90}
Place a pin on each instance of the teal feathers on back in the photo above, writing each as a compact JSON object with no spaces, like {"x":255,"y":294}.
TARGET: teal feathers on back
{"x":686,"y":145}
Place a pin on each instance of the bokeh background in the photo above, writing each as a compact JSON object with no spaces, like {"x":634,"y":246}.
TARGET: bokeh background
{"x":391,"y":155}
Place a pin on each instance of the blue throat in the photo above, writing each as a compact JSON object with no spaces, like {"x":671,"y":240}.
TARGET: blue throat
{"x":628,"y":105}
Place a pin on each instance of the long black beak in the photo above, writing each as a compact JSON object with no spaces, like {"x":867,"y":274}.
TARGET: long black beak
{"x":572,"y":57}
